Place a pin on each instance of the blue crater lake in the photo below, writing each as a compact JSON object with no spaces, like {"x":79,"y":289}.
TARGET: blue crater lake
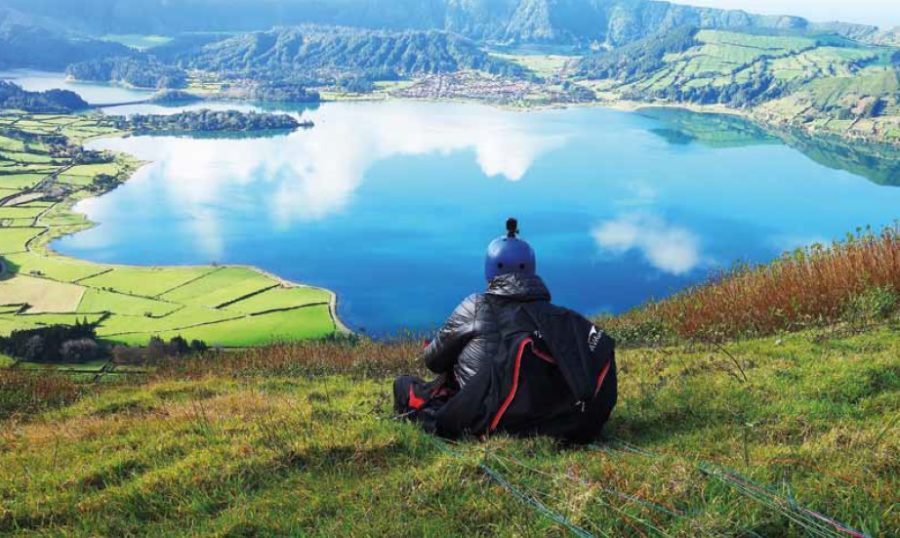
{"x":391,"y":204}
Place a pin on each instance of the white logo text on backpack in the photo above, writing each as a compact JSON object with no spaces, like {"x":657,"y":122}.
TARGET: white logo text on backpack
{"x":594,"y":338}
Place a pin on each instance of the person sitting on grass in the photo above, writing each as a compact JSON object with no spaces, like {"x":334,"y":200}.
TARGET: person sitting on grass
{"x":508,"y":360}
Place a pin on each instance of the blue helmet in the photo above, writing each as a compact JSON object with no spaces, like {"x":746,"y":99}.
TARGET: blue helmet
{"x":509,"y":254}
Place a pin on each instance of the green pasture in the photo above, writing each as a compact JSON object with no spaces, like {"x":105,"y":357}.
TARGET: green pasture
{"x":27,"y":157}
{"x":97,"y":300}
{"x":53,"y":267}
{"x":11,"y":144}
{"x":56,"y":319}
{"x":14,"y":239}
{"x":281,"y":298}
{"x":221,"y":286}
{"x":288,"y":326}
{"x":137,"y":329}
{"x":20,"y":212}
{"x":146,"y":281}
{"x":20,"y":181}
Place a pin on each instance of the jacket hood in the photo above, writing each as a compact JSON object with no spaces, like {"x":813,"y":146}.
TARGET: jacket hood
{"x":519,"y":286}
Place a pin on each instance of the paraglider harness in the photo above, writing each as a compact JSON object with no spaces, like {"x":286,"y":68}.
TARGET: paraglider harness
{"x":554,"y":374}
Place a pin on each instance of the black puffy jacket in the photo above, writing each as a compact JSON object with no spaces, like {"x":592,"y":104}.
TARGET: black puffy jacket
{"x":471,"y":335}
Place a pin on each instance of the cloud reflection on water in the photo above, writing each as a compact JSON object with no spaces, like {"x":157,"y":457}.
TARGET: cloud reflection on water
{"x":317,"y":172}
{"x":667,"y":247}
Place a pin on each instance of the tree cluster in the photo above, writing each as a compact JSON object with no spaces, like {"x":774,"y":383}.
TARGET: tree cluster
{"x":78,"y":344}
{"x":157,"y":350}
{"x":58,"y":343}
{"x":281,"y":92}
{"x":139,"y":72}
{"x":47,"y":102}
{"x":206,"y":121}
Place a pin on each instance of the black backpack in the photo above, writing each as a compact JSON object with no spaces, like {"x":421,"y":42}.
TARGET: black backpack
{"x":555,"y":375}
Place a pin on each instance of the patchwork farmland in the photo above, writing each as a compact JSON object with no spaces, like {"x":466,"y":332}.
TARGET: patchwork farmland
{"x":43,"y":172}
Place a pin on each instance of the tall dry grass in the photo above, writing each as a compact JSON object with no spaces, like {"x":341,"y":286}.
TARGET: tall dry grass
{"x":820,"y":285}
{"x":23,"y":392}
{"x":361,"y":357}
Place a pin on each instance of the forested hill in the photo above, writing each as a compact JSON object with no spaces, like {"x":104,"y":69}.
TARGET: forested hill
{"x":27,"y":41}
{"x":615,"y":22}
{"x":14,"y":97}
{"x":290,"y":53}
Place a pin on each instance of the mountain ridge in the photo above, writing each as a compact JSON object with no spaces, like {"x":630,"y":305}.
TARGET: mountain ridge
{"x":583,"y":22}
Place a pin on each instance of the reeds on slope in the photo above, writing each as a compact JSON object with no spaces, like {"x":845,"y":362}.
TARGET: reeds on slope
{"x":849,"y":280}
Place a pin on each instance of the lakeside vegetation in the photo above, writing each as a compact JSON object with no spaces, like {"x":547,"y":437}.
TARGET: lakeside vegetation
{"x":207,"y":121}
{"x":43,"y":172}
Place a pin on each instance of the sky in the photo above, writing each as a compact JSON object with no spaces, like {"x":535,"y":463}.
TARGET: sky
{"x":883,"y":13}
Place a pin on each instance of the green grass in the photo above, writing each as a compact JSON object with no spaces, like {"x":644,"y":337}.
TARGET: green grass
{"x":6,"y":361}
{"x":288,"y":326}
{"x":20,"y":181}
{"x":146,"y":281}
{"x":291,"y":441}
{"x":137,"y":329}
{"x":11,"y":144}
{"x":9,"y":324}
{"x":54,"y":267}
{"x":221,"y":286}
{"x":20,"y":212}
{"x":14,"y":239}
{"x":54,"y":319}
{"x":95,"y":300}
{"x":279,"y":298}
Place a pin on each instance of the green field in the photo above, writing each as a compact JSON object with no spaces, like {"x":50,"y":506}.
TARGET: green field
{"x":280,"y":298}
{"x":96,"y":300}
{"x":53,"y":267}
{"x":221,"y":286}
{"x":131,"y":304}
{"x":14,"y":239}
{"x":20,"y":181}
{"x":145,"y":281}
{"x":289,"y":326}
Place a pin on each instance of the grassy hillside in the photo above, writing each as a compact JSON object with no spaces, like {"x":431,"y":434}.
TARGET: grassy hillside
{"x":43,"y":172}
{"x":824,"y":84}
{"x":715,"y":433}
{"x":299,"y":440}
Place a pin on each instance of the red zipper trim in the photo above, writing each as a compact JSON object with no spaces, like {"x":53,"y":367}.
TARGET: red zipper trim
{"x":512,"y":392}
{"x":543,"y":356}
{"x":602,"y":377}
